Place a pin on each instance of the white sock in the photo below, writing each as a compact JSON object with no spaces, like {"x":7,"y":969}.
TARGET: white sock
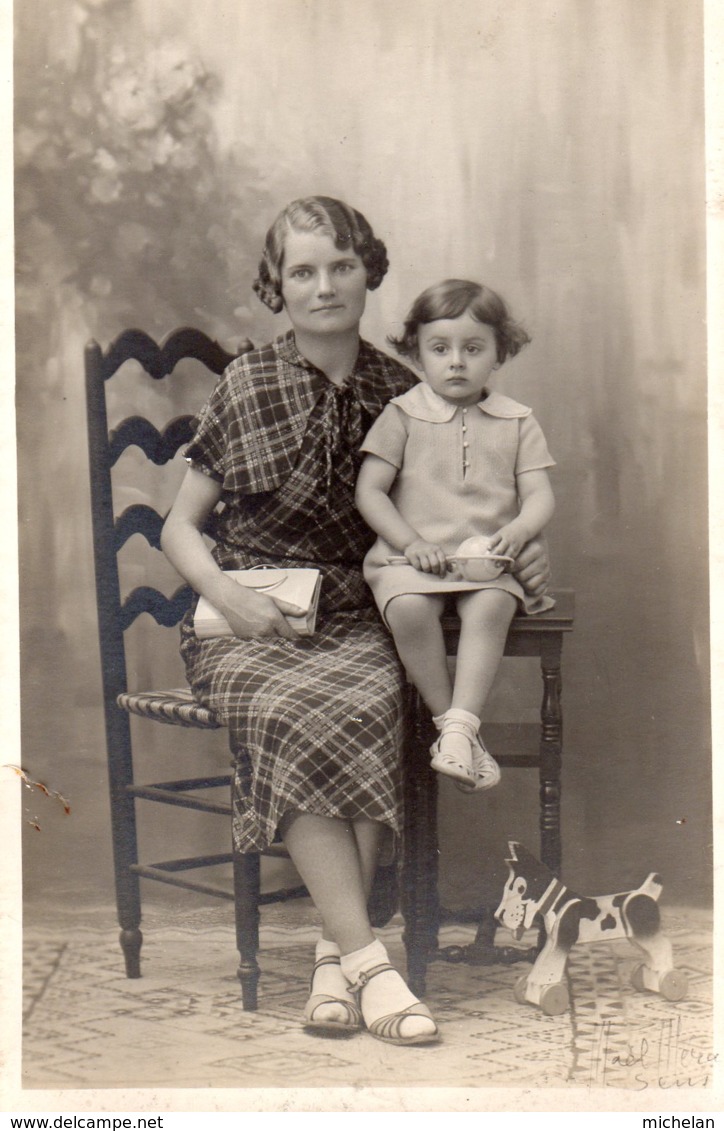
{"x":329,"y":979}
{"x":384,"y":994}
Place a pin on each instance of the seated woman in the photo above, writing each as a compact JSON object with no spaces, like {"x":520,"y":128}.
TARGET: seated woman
{"x":314,"y":723}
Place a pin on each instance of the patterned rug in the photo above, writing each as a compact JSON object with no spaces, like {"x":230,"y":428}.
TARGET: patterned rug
{"x":182,"y":1025}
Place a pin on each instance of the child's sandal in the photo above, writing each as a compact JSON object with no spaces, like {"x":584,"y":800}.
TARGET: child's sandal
{"x":486,"y":770}
{"x":444,"y":763}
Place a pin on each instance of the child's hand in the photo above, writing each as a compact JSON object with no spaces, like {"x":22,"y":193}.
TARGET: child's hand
{"x":426,"y":556}
{"x":508,"y":541}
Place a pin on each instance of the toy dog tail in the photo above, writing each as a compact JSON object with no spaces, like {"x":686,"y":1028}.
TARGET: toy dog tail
{"x":652,"y":886}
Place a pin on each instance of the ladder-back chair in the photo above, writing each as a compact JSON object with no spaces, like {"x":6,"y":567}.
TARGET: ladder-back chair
{"x":116,"y":613}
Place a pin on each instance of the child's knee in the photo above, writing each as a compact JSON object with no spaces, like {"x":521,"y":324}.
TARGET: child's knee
{"x":411,"y":612}
{"x":492,"y":607}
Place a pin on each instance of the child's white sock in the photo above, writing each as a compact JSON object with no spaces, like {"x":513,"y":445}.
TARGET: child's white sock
{"x":458,"y":731}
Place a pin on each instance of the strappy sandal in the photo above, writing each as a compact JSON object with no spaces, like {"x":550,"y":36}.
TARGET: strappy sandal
{"x":389,"y":1027}
{"x":486,"y":770}
{"x":445,"y":763}
{"x":353,"y":1014}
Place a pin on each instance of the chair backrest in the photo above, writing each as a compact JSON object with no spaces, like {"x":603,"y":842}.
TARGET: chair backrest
{"x":111,"y":531}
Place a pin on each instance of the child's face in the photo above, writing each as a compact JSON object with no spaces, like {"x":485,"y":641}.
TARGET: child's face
{"x":457,"y":356}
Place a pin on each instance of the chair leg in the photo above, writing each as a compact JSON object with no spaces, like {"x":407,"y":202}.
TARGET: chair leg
{"x":551,"y":749}
{"x":419,"y":900}
{"x":124,"y":840}
{"x":131,"y":941}
{"x":128,"y":893}
{"x":247,"y":870}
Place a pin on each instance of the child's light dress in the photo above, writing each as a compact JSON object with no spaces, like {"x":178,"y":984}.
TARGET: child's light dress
{"x":457,"y":478}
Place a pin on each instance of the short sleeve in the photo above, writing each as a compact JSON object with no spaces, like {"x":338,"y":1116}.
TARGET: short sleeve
{"x":533,"y":454}
{"x":387,"y":436}
{"x":207,"y":449}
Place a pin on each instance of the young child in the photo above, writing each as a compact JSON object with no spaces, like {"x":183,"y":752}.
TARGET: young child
{"x":445,"y":462}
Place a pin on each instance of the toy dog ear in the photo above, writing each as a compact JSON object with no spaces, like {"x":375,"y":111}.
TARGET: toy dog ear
{"x":512,"y":847}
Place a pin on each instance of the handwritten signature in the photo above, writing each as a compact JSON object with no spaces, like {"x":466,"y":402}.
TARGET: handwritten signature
{"x":661,"y":1060}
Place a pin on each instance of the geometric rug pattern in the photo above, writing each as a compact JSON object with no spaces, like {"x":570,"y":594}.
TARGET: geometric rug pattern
{"x":181,"y":1025}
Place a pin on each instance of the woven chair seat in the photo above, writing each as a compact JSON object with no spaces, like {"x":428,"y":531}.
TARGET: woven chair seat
{"x":177,"y":707}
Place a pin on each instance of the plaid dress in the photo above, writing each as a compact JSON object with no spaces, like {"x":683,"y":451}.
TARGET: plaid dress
{"x":315,"y":724}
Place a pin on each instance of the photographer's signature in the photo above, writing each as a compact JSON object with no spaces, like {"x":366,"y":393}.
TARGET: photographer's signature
{"x":662,"y":1059}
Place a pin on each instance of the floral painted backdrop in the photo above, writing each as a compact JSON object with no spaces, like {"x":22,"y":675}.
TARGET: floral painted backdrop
{"x":122,"y":192}
{"x":127,"y":215}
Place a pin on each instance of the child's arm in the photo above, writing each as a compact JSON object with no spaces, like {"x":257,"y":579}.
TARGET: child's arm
{"x":375,"y":479}
{"x":536,"y":510}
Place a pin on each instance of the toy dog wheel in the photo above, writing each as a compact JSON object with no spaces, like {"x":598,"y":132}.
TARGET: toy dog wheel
{"x":637,"y":978}
{"x":519,"y":990}
{"x":555,"y":999}
{"x":674,"y":985}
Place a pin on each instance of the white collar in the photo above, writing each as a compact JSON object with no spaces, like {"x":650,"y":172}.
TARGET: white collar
{"x":422,"y":403}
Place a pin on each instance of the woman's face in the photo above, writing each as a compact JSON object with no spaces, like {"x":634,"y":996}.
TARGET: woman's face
{"x":324,"y":289}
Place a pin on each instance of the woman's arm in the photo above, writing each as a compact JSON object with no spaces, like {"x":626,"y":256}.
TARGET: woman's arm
{"x":380,"y":513}
{"x":251,"y":615}
{"x":536,"y":510}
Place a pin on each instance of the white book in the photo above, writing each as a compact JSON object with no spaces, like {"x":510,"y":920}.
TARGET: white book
{"x":298,"y":586}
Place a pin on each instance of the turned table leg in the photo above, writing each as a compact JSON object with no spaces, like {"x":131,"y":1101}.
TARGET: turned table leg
{"x":551,"y":750}
{"x":418,"y":896}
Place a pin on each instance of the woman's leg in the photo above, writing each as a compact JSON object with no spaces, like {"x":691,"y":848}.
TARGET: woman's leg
{"x":415,"y":622}
{"x":369,"y":836}
{"x":326,"y":854}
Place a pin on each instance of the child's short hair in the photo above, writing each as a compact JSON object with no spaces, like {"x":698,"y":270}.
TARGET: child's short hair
{"x":453,"y":298}
{"x":347,"y":227}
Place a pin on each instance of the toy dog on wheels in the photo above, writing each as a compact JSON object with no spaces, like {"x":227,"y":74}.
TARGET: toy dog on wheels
{"x":532,"y":890}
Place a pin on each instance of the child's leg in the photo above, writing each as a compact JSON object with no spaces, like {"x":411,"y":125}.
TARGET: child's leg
{"x":414,"y":619}
{"x":485,"y":617}
{"x":415,"y":622}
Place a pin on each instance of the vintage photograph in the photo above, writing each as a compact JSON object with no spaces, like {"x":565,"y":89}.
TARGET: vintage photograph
{"x":361,"y":393}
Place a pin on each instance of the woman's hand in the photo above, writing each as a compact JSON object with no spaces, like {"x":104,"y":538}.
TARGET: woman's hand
{"x":532,"y":567}
{"x":509,"y":541}
{"x":256,"y":616}
{"x":426,"y":556}
{"x":251,"y":615}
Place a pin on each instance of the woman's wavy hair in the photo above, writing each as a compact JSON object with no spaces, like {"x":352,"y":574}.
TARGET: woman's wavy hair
{"x":347,"y":227}
{"x":453,"y":298}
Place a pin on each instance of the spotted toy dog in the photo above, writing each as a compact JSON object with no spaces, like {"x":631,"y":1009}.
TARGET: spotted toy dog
{"x":532,"y":890}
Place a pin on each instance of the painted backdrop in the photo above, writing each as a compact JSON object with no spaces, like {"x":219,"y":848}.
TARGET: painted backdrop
{"x":553,"y":150}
